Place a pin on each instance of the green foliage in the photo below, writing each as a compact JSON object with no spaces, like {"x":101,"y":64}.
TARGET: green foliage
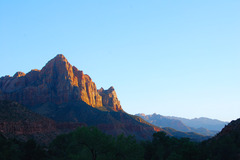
{"x":164,"y":147}
{"x":89,"y":143}
{"x":11,"y":149}
{"x":127,"y":148}
{"x":32,"y":151}
{"x":223,"y":148}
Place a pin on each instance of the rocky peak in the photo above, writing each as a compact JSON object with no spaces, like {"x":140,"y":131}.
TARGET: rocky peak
{"x":109,"y":99}
{"x":61,"y":56}
{"x":100,"y":90}
{"x":141,"y":114}
{"x":19,"y":74}
{"x":58,"y":67}
{"x":57,"y":82}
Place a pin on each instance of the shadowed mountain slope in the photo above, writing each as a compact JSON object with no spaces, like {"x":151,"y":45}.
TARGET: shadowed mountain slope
{"x":226,"y":144}
{"x":18,"y":122}
{"x":110,"y":122}
{"x":232,"y":128}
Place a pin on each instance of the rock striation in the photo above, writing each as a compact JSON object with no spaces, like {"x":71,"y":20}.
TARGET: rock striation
{"x":57,"y":82}
{"x":16,"y":121}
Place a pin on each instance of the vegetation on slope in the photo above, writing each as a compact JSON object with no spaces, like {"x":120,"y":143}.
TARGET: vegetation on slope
{"x":89,"y":143}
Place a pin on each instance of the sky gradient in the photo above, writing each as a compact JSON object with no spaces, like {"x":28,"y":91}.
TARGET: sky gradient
{"x":174,"y":58}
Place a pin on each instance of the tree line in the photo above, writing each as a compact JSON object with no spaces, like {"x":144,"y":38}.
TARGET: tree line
{"x":89,"y":143}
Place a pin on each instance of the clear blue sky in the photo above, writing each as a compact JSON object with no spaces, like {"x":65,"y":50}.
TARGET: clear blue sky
{"x":171,"y":57}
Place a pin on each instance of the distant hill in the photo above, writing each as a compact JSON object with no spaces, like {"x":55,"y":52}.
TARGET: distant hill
{"x":191,"y":135}
{"x":177,"y":124}
{"x":163,"y":121}
{"x":202,"y":122}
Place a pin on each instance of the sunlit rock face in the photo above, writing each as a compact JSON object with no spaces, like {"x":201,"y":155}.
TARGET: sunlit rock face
{"x":66,"y":95}
{"x":57,"y":82}
{"x":109,"y":99}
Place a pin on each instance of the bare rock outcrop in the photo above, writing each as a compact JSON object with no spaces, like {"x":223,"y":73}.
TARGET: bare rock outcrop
{"x":58,"y":82}
{"x":109,"y":99}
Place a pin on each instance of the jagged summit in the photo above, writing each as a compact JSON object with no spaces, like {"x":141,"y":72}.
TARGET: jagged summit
{"x":109,"y":98}
{"x":57,"y":82}
{"x":19,"y":74}
{"x":60,"y":56}
{"x":59,"y":59}
{"x":109,"y":90}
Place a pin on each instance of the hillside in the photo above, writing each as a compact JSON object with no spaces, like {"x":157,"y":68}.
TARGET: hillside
{"x":177,"y":124}
{"x":202,"y":122}
{"x":226,"y":144}
{"x":110,"y":122}
{"x":18,"y":122}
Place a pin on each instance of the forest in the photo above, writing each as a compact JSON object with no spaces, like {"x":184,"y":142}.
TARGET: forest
{"x":89,"y":143}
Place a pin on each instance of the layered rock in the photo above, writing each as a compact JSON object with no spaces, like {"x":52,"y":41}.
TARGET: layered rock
{"x":16,"y":121}
{"x":109,"y":99}
{"x":57,"y":82}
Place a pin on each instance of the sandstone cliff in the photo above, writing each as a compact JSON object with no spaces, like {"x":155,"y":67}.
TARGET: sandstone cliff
{"x":109,"y":99}
{"x":57,"y":82}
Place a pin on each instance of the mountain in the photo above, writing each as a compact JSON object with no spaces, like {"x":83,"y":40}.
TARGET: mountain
{"x":226,"y":144}
{"x":18,"y":122}
{"x":177,"y":124}
{"x":197,"y":137}
{"x":110,"y":122}
{"x":57,"y":82}
{"x":64,"y":94}
{"x":202,"y":122}
{"x":163,"y":121}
